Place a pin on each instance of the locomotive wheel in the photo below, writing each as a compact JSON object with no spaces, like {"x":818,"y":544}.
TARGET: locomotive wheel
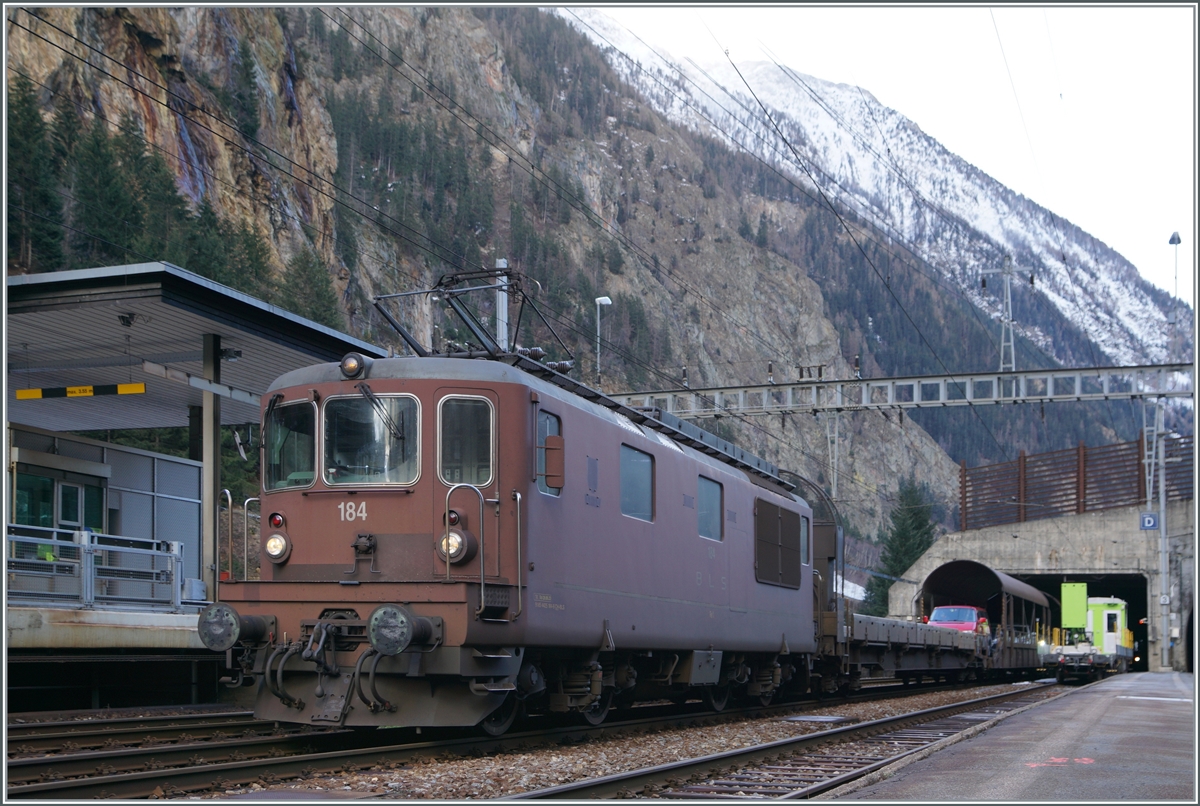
{"x":599,"y":709}
{"x":499,"y":721}
{"x":716,"y":697}
{"x":765,"y":699}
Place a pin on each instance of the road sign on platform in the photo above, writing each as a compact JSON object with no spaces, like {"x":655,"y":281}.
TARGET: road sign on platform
{"x":1149,"y":521}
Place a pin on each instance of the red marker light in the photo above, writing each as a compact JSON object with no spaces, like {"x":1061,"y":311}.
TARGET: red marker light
{"x":454,"y":518}
{"x":276,"y":520}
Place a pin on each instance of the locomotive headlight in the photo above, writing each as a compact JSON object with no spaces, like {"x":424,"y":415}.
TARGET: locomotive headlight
{"x":278,"y":547}
{"x":391,"y":628}
{"x":353,"y":365}
{"x":457,"y":545}
{"x":453,"y":545}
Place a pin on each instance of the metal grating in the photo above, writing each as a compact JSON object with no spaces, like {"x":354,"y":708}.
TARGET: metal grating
{"x":1068,"y":482}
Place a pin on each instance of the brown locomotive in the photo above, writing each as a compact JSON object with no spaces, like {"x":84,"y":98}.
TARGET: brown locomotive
{"x":450,"y":542}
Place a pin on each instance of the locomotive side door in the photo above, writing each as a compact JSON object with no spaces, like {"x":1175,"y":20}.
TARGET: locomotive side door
{"x":465,"y":453}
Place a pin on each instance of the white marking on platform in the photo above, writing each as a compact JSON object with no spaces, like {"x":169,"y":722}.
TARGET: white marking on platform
{"x":1167,"y":699}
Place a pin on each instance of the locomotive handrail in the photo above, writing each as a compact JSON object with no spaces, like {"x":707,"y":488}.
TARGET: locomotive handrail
{"x":517,"y":498}
{"x":245,"y":539}
{"x":446,"y":540}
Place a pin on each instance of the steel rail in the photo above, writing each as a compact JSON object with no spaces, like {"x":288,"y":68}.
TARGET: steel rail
{"x":223,"y":773}
{"x":84,"y":735}
{"x":622,"y":783}
{"x":189,"y":753}
{"x":89,"y":722}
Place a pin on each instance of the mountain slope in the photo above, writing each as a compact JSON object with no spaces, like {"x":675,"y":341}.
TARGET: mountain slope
{"x":881,"y":165}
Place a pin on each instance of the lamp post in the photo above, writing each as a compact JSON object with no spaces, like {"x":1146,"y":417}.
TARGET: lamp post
{"x":599,"y":301}
{"x":1175,"y":241}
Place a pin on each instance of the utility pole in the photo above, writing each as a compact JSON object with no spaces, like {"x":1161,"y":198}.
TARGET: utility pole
{"x":1173,"y":318}
{"x":831,"y":436}
{"x":1008,"y":356}
{"x":502,"y":305}
{"x":1164,"y":564}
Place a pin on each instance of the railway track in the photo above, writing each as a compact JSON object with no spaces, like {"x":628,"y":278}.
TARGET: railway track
{"x":804,"y":766}
{"x":160,"y":757}
{"x":36,"y":738}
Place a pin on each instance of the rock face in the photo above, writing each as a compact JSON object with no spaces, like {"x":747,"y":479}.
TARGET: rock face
{"x":713,"y":301}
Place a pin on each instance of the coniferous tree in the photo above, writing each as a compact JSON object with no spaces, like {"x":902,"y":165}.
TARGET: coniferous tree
{"x":164,"y":212}
{"x":64,"y":135}
{"x":249,"y":263}
{"x":245,"y":92}
{"x":760,"y":239}
{"x":105,"y":213}
{"x":205,"y":247}
{"x":34,"y":207}
{"x":307,"y":290}
{"x":910,"y":536}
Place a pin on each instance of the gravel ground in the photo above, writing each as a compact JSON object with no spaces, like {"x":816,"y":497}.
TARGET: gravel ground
{"x":509,"y":773}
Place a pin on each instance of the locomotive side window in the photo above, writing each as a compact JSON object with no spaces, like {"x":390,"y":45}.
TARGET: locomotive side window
{"x":371,"y":441}
{"x":637,"y":484}
{"x":548,"y":425}
{"x":804,"y":541}
{"x":465,"y":447}
{"x":291,"y":446}
{"x":777,"y":545}
{"x":709,"y":503}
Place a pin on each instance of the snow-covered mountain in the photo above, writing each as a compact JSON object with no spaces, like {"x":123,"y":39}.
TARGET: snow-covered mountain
{"x":880,"y":164}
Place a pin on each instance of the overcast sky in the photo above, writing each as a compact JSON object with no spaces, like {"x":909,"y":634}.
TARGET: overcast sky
{"x":1089,"y":111}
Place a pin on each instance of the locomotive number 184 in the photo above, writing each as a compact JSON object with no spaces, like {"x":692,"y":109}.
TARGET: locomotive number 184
{"x":350,"y":512}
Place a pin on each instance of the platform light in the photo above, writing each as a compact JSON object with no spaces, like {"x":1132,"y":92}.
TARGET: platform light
{"x":599,"y":301}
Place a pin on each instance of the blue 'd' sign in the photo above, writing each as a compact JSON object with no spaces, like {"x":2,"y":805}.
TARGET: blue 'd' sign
{"x":1149,"y":521}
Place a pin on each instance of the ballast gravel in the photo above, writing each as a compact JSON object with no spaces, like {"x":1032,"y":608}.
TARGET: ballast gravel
{"x":520,"y":771}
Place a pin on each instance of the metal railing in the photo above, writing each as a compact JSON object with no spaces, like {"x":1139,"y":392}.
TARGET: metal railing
{"x":91,"y":570}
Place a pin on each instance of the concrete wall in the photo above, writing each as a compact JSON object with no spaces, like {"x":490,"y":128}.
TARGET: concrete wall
{"x":1108,"y":542}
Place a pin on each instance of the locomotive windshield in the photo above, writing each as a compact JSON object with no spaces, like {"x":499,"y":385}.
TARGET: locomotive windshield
{"x":291,"y":446}
{"x":371,"y":441}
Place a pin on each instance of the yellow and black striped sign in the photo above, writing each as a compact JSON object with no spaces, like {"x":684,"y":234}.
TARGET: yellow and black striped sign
{"x":82,"y":391}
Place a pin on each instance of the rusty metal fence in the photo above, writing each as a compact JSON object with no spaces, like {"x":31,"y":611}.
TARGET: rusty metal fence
{"x":1070,"y":482}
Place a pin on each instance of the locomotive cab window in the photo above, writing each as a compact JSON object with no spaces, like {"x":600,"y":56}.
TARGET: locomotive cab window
{"x":637,"y":484}
{"x":549,"y":443}
{"x":465,"y":444}
{"x":709,"y":506}
{"x":777,"y":544}
{"x":371,"y":441}
{"x":290,"y":440}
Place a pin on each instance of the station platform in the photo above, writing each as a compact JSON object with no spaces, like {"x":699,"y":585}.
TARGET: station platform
{"x":1130,"y":737}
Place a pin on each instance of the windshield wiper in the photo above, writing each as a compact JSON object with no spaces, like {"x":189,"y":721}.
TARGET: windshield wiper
{"x":396,"y":431}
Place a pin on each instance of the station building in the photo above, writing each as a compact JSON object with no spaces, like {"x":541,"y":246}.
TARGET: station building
{"x":113,"y":550}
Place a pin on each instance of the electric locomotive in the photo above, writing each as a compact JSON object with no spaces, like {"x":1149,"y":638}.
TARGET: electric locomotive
{"x":447,"y":540}
{"x":454,"y":539}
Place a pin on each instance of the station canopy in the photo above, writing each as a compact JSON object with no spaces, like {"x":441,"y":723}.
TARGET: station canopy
{"x":109,"y":328}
